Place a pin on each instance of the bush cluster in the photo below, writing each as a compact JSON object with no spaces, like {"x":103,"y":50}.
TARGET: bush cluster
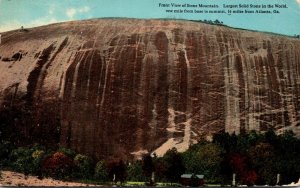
{"x":254,"y":158}
{"x":61,"y":164}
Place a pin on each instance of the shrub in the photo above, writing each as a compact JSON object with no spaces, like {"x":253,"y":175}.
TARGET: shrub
{"x":22,"y":160}
{"x":84,"y":166}
{"x":101,"y":173}
{"x":58,"y":166}
{"x":38,"y":156}
{"x":67,"y":151}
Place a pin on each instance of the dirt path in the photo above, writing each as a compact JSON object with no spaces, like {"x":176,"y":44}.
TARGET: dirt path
{"x":9,"y":178}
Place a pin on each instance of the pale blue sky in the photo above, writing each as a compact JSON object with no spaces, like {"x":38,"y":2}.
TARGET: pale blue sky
{"x":30,"y":13}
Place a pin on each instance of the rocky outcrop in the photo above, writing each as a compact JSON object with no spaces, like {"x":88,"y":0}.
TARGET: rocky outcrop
{"x":123,"y":87}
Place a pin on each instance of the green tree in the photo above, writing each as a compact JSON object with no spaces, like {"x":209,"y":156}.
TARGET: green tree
{"x":239,"y":165}
{"x":148,"y":167}
{"x":135,"y":172}
{"x":175,"y":167}
{"x":288,"y":157}
{"x":204,"y":158}
{"x":121,"y":171}
{"x":254,"y":138}
{"x":263,"y":161}
{"x":160,"y":169}
{"x":226,"y":141}
{"x":271,"y":137}
{"x":101,"y":172}
{"x":243,"y":143}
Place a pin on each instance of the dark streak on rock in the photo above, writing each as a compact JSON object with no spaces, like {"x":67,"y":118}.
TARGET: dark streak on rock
{"x":35,"y":73}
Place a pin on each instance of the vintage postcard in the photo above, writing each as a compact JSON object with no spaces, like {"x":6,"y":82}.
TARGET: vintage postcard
{"x":149,"y":92}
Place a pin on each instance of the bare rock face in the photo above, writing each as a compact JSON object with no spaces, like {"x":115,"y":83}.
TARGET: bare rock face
{"x":123,"y":87}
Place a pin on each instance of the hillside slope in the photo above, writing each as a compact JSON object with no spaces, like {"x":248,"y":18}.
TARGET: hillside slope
{"x":122,"y":87}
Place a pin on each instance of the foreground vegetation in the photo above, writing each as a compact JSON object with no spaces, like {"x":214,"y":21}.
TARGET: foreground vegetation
{"x":254,"y":158}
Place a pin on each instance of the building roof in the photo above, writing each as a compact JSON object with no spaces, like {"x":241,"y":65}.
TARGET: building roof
{"x":200,"y":176}
{"x":191,"y":175}
{"x":186,"y":175}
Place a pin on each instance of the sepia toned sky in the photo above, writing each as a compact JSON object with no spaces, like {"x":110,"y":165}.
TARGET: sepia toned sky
{"x":32,"y":13}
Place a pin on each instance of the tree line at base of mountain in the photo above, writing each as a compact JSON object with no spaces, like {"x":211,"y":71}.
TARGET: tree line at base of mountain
{"x":254,"y":158}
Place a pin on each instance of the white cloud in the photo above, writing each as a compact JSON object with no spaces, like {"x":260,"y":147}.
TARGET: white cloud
{"x":48,"y":19}
{"x":51,"y":10}
{"x":298,"y":1}
{"x":71,"y":12}
{"x":84,"y":9}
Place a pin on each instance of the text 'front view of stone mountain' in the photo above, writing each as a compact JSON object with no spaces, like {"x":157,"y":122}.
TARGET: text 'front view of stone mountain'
{"x":124,"y":87}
